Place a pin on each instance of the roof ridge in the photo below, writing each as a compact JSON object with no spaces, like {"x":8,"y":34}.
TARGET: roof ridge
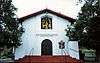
{"x":44,"y":11}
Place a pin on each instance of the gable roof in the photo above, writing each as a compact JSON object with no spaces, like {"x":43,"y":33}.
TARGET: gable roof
{"x":45,"y":11}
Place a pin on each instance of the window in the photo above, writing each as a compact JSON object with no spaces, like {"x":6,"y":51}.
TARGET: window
{"x":46,"y":22}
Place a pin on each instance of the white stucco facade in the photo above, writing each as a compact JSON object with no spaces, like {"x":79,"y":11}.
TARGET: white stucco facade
{"x":34,"y":35}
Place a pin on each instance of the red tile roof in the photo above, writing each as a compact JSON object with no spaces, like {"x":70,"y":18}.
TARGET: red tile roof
{"x":49,"y":11}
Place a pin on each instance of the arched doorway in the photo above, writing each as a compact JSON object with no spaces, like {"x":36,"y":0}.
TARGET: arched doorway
{"x":46,"y":47}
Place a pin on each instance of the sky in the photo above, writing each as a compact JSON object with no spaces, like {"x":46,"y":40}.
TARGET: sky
{"x":66,"y":7}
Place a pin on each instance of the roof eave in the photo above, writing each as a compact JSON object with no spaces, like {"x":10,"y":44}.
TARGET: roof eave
{"x":49,"y":11}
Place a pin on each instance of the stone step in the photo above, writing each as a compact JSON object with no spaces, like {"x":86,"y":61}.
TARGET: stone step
{"x":47,"y":59}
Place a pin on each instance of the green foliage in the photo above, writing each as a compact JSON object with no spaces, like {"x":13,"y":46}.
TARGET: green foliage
{"x":10,"y":32}
{"x":85,"y":26}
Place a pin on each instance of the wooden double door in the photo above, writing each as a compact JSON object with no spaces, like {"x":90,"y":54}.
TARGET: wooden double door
{"x":46,"y":47}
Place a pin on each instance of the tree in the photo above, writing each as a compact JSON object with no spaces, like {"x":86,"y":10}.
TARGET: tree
{"x":86,"y":29}
{"x":87,"y":26}
{"x":10,"y":31}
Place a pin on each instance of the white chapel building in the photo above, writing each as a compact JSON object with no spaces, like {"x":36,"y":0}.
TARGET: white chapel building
{"x":45,"y":35}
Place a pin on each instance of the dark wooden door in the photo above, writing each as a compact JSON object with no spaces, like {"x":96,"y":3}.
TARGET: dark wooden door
{"x":46,"y":47}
